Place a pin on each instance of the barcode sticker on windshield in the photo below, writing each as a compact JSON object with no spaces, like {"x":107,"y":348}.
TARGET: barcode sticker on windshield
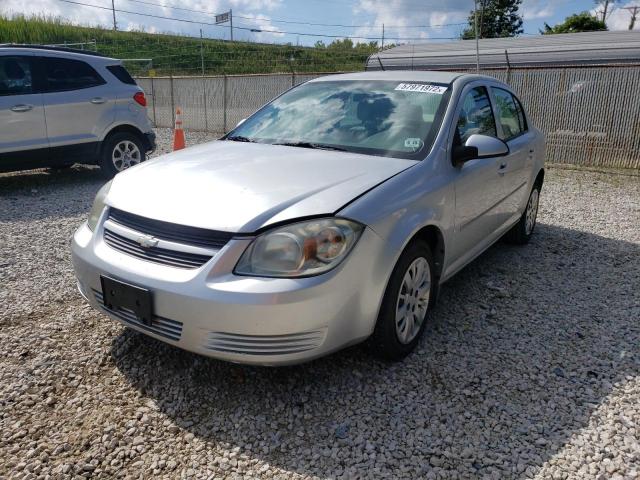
{"x":421,"y":87}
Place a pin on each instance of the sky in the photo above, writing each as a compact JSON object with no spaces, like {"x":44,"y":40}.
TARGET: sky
{"x":282,"y":21}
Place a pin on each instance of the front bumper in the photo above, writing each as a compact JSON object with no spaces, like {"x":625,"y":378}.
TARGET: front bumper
{"x":265,"y":321}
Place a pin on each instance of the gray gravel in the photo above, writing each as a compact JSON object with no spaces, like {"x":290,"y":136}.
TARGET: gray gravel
{"x":529,"y":368}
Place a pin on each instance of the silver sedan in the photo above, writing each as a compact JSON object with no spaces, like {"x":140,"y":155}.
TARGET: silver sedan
{"x":329,"y":217}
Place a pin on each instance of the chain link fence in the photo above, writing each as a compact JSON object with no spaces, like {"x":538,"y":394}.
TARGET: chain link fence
{"x":591,"y":116}
{"x":215,"y":104}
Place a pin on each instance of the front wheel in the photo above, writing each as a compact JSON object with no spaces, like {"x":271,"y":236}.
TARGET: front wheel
{"x":121,"y":151}
{"x":521,"y":232}
{"x":409,"y":295}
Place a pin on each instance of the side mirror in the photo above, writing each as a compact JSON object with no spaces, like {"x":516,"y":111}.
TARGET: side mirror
{"x":240,"y":122}
{"x":480,"y":146}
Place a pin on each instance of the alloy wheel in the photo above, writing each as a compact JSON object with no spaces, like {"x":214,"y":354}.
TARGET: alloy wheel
{"x":125,"y":154}
{"x":531,"y":212}
{"x":413,"y":300}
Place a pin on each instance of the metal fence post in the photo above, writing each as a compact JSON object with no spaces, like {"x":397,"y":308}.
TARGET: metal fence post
{"x":153,"y":99}
{"x":224,"y":104}
{"x":173,"y":106}
{"x":204,"y":98}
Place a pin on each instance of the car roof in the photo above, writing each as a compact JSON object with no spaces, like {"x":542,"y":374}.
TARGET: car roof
{"x":14,"y":49}
{"x":396,"y":75}
{"x":447,"y":78}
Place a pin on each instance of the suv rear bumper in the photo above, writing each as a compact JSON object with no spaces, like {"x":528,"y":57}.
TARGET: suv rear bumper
{"x":150,"y":141}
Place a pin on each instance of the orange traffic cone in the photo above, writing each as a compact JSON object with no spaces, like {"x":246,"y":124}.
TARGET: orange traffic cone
{"x":178,"y":133}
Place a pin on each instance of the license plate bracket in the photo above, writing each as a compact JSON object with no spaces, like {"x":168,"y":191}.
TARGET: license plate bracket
{"x":120,"y":294}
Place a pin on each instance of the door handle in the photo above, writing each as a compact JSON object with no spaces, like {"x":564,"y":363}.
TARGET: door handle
{"x":97,"y":100}
{"x":501,"y":170}
{"x":21,"y":108}
{"x":503,"y":165}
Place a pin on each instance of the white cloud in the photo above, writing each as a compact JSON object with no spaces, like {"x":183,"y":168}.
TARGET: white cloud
{"x":260,"y":22}
{"x":128,"y":21}
{"x":619,"y":18}
{"x":537,"y":10}
{"x":399,"y":15}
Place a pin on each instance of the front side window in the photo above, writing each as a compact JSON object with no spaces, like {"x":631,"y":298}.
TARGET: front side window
{"x":476,"y":116}
{"x":15,"y":76}
{"x":510,"y":114}
{"x":63,"y":74}
{"x":373,"y":117}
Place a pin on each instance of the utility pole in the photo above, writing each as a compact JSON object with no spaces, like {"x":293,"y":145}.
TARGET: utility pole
{"x":634,"y":13}
{"x":113,"y":9}
{"x":382,"y":44}
{"x":605,"y":9}
{"x":481,"y":17}
{"x":475,"y":22}
{"x":231,"y":23}
{"x":201,"y":52}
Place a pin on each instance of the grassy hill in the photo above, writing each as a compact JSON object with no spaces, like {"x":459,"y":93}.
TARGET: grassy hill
{"x":163,"y":54}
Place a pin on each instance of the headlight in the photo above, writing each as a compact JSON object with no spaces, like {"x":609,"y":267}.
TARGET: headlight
{"x":98,"y":206}
{"x":301,"y":249}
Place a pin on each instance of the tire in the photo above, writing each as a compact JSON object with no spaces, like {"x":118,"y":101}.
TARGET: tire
{"x":389,"y":341}
{"x":521,"y":232}
{"x":121,"y":151}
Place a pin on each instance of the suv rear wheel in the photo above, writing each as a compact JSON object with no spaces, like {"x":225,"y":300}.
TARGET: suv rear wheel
{"x":121,"y":151}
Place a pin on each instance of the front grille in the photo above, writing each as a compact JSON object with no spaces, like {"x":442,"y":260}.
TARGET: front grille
{"x":163,"y":256}
{"x":265,"y":344}
{"x":200,"y":237}
{"x":164,"y":327}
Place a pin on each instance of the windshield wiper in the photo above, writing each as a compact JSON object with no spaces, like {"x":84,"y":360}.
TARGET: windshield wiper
{"x":240,"y":138}
{"x":318,"y":146}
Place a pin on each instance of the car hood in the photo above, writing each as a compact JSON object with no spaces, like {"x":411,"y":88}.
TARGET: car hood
{"x":242,"y":187}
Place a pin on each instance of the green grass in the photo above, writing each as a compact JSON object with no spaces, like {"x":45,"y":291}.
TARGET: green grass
{"x":180,"y":55}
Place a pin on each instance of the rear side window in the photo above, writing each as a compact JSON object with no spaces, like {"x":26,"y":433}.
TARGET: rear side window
{"x":510,"y":114}
{"x":63,"y":74}
{"x":121,"y":74}
{"x":15,"y":76}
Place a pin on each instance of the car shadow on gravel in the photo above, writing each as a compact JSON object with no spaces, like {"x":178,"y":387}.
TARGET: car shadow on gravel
{"x":62,"y":193}
{"x":523,"y":346}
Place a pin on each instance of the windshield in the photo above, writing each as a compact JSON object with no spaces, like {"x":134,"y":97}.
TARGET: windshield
{"x":396,"y":119}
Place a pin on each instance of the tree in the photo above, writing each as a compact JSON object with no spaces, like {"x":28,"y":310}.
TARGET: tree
{"x":578,"y":22}
{"x":496,"y":18}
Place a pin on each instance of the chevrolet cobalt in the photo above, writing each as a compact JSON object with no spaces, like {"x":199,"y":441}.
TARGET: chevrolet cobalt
{"x":329,"y":217}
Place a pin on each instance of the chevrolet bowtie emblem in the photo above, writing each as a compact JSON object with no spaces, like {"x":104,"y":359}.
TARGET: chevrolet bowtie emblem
{"x":147,"y":241}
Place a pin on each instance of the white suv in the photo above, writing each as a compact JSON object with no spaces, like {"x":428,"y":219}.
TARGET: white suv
{"x":60,"y":106}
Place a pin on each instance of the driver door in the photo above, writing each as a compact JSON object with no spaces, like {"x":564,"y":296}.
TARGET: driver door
{"x":479,"y":183}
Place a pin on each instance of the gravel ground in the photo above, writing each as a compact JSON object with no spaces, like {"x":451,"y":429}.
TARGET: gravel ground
{"x":530,"y":367}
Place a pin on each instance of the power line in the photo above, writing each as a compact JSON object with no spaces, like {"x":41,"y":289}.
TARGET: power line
{"x":276,"y":20}
{"x":261,"y":30}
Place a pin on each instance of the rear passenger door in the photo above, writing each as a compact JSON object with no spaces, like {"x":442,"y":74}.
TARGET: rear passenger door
{"x":23,"y":132}
{"x":513,"y":129}
{"x":78,"y":106}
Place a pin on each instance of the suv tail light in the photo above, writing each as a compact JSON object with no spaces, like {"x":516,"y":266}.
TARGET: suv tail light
{"x":140,"y":99}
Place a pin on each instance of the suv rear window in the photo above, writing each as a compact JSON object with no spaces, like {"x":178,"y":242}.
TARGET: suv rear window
{"x":64,"y":74}
{"x":121,"y":74}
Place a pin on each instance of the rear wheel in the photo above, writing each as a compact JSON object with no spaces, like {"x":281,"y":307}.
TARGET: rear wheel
{"x":521,"y":232}
{"x":409,"y":295}
{"x":121,"y":151}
